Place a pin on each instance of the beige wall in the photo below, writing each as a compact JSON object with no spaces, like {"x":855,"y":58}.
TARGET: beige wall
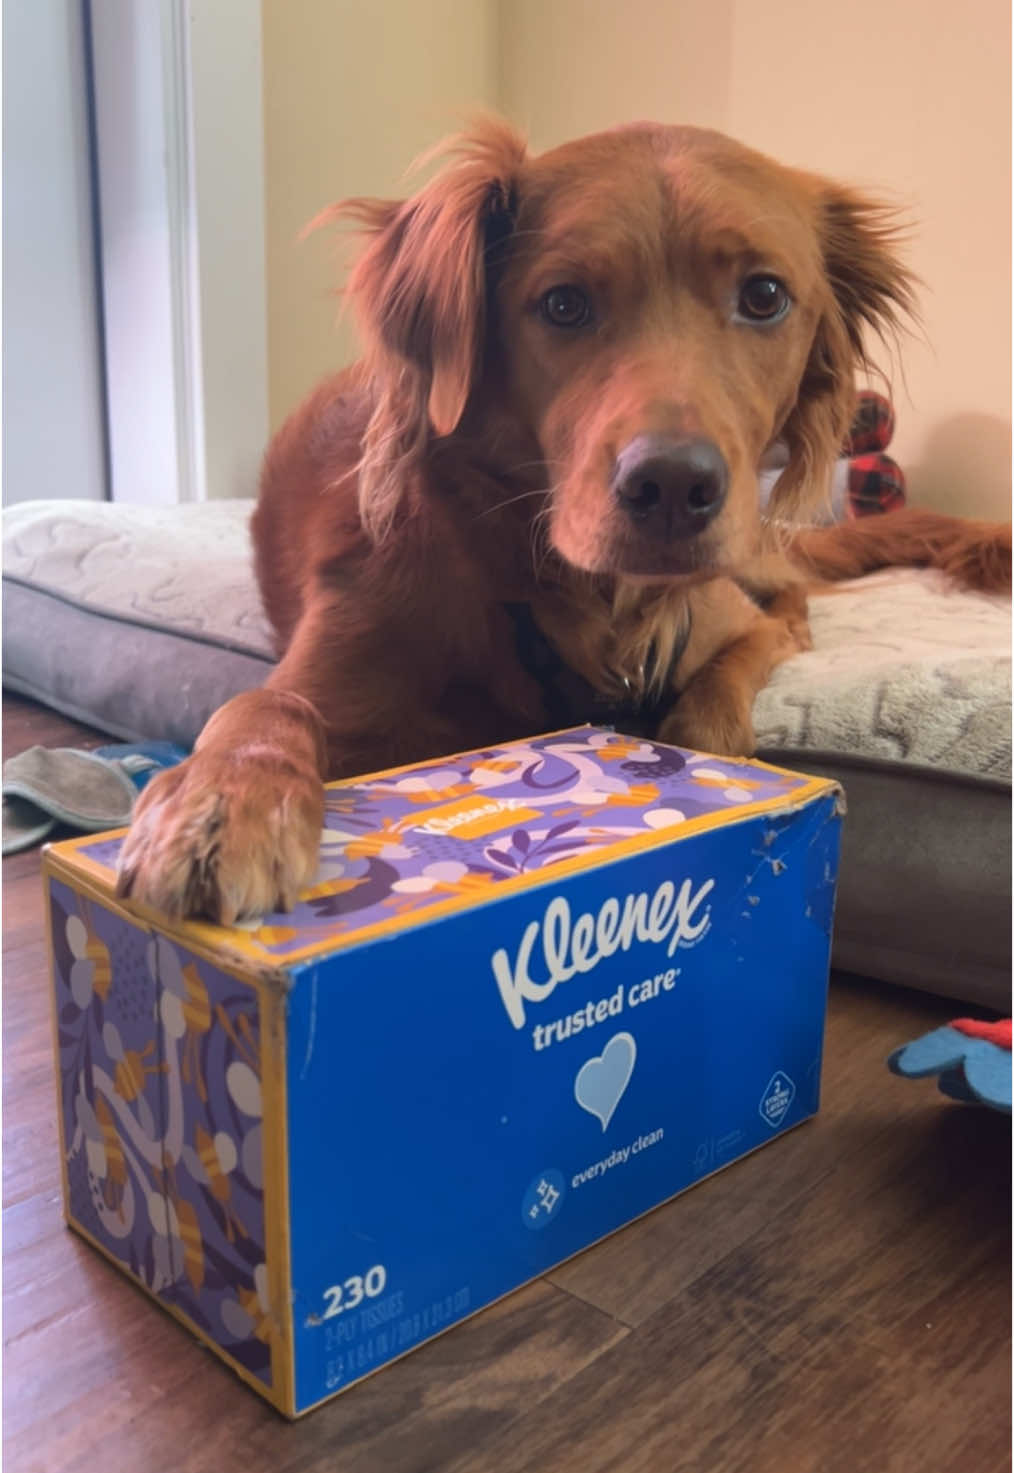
{"x":907,"y":97}
{"x":354,"y":90}
{"x":568,"y":67}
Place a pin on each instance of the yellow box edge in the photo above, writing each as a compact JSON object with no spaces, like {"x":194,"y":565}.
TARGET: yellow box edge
{"x":221,"y":944}
{"x":271,"y":1008}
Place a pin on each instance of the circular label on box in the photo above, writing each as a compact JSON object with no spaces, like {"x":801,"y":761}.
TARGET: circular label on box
{"x":543,"y":1199}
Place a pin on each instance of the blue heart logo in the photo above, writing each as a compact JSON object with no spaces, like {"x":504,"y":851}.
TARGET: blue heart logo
{"x":600,"y":1082}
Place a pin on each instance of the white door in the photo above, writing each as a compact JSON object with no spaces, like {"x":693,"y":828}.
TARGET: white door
{"x":54,"y":416}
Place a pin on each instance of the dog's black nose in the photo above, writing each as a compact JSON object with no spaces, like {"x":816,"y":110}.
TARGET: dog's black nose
{"x":676,"y":486}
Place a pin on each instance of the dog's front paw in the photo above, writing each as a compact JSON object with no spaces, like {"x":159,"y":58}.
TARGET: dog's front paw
{"x":224,"y":835}
{"x":710,"y":718}
{"x":791,"y":609}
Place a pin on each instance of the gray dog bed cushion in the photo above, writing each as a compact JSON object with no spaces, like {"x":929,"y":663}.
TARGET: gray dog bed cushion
{"x":141,"y":621}
{"x":906,"y":699}
{"x":138,"y":620}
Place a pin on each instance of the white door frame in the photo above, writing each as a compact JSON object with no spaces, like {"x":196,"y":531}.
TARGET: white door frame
{"x":179,"y":137}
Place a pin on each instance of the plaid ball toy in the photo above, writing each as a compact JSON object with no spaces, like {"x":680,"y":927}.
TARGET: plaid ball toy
{"x":864,"y":481}
{"x":876,"y":483}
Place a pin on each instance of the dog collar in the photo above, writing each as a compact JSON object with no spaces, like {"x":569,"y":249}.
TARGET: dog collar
{"x":571,"y":700}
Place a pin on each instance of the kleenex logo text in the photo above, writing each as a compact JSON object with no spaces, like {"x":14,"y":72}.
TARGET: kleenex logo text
{"x":571,"y":947}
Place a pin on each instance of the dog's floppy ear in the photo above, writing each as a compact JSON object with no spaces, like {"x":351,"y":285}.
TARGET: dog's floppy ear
{"x":419,"y":292}
{"x":868,"y":289}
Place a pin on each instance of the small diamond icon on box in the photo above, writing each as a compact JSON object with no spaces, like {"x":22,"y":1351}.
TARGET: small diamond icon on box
{"x":777,"y":1098}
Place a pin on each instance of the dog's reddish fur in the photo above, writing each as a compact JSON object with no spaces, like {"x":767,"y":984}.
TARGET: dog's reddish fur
{"x":465,"y":465}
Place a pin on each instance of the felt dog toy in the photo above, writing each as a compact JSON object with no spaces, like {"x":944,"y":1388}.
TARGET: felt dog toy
{"x":971,"y":1059}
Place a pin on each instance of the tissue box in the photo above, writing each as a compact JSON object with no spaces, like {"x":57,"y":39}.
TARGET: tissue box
{"x":533,"y":992}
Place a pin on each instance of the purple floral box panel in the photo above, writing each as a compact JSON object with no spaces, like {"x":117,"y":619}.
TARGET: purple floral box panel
{"x":160,"y":1096}
{"x":397,"y":845}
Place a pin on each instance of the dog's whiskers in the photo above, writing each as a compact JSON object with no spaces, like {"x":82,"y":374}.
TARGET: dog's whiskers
{"x":511,"y":501}
{"x":529,"y":465}
{"x":540,"y":543}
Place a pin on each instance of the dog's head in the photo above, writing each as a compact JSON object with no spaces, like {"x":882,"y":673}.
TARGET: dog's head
{"x":651,"y":308}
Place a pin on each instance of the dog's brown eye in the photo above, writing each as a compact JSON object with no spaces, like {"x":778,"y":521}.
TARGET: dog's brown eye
{"x":565,"y":306}
{"x":763,"y":299}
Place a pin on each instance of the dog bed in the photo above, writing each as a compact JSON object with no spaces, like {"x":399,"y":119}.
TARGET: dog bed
{"x":906,"y":699}
{"x":141,"y":621}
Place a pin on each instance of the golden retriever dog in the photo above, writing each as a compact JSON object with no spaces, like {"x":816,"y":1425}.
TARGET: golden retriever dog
{"x":534,"y":501}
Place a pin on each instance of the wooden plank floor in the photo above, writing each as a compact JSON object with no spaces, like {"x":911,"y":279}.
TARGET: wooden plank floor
{"x":840,"y":1301}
